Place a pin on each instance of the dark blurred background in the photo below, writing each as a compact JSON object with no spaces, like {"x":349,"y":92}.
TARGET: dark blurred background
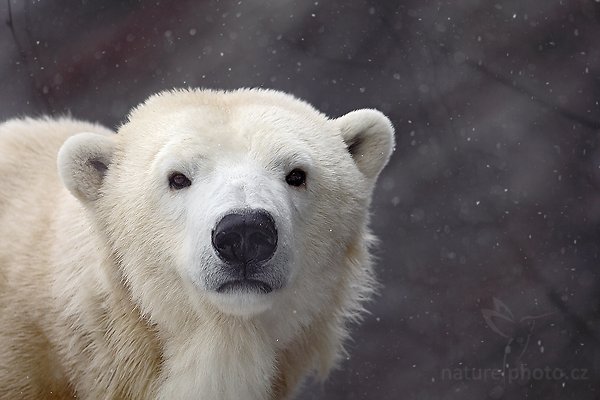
{"x":489,"y":210}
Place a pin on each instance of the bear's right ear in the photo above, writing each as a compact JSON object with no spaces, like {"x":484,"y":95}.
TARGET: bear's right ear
{"x":369,"y":137}
{"x":83,"y":161}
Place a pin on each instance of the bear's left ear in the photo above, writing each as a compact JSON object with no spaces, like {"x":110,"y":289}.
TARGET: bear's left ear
{"x":369,"y":137}
{"x":83,"y":161}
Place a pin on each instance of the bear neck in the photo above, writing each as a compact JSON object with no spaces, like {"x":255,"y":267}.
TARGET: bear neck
{"x":211,"y":353}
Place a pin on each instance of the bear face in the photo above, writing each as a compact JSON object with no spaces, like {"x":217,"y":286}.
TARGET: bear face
{"x":243,"y":203}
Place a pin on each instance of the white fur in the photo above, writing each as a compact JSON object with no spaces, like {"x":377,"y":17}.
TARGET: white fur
{"x":129,"y":306}
{"x":80,"y":156}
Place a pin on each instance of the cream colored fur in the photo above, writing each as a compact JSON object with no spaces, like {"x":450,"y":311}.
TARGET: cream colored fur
{"x":103,"y":268}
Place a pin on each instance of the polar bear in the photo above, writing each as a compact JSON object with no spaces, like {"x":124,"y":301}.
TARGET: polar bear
{"x":215,"y":247}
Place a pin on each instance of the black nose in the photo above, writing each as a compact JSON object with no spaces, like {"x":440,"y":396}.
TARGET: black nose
{"x":245,"y":237}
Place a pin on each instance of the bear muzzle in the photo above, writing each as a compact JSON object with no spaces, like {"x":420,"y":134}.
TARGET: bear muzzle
{"x":245,"y":240}
{"x":246,"y":237}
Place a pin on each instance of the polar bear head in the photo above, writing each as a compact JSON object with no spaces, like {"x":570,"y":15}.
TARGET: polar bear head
{"x":245,"y":203}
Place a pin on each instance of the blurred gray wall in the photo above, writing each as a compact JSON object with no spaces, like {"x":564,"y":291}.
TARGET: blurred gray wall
{"x":489,"y":210}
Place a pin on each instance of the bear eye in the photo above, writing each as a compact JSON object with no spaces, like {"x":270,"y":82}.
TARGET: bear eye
{"x":296,"y":178}
{"x":177,"y":181}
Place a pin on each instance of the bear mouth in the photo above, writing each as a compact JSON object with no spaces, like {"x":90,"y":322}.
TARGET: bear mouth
{"x":245,"y":285}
